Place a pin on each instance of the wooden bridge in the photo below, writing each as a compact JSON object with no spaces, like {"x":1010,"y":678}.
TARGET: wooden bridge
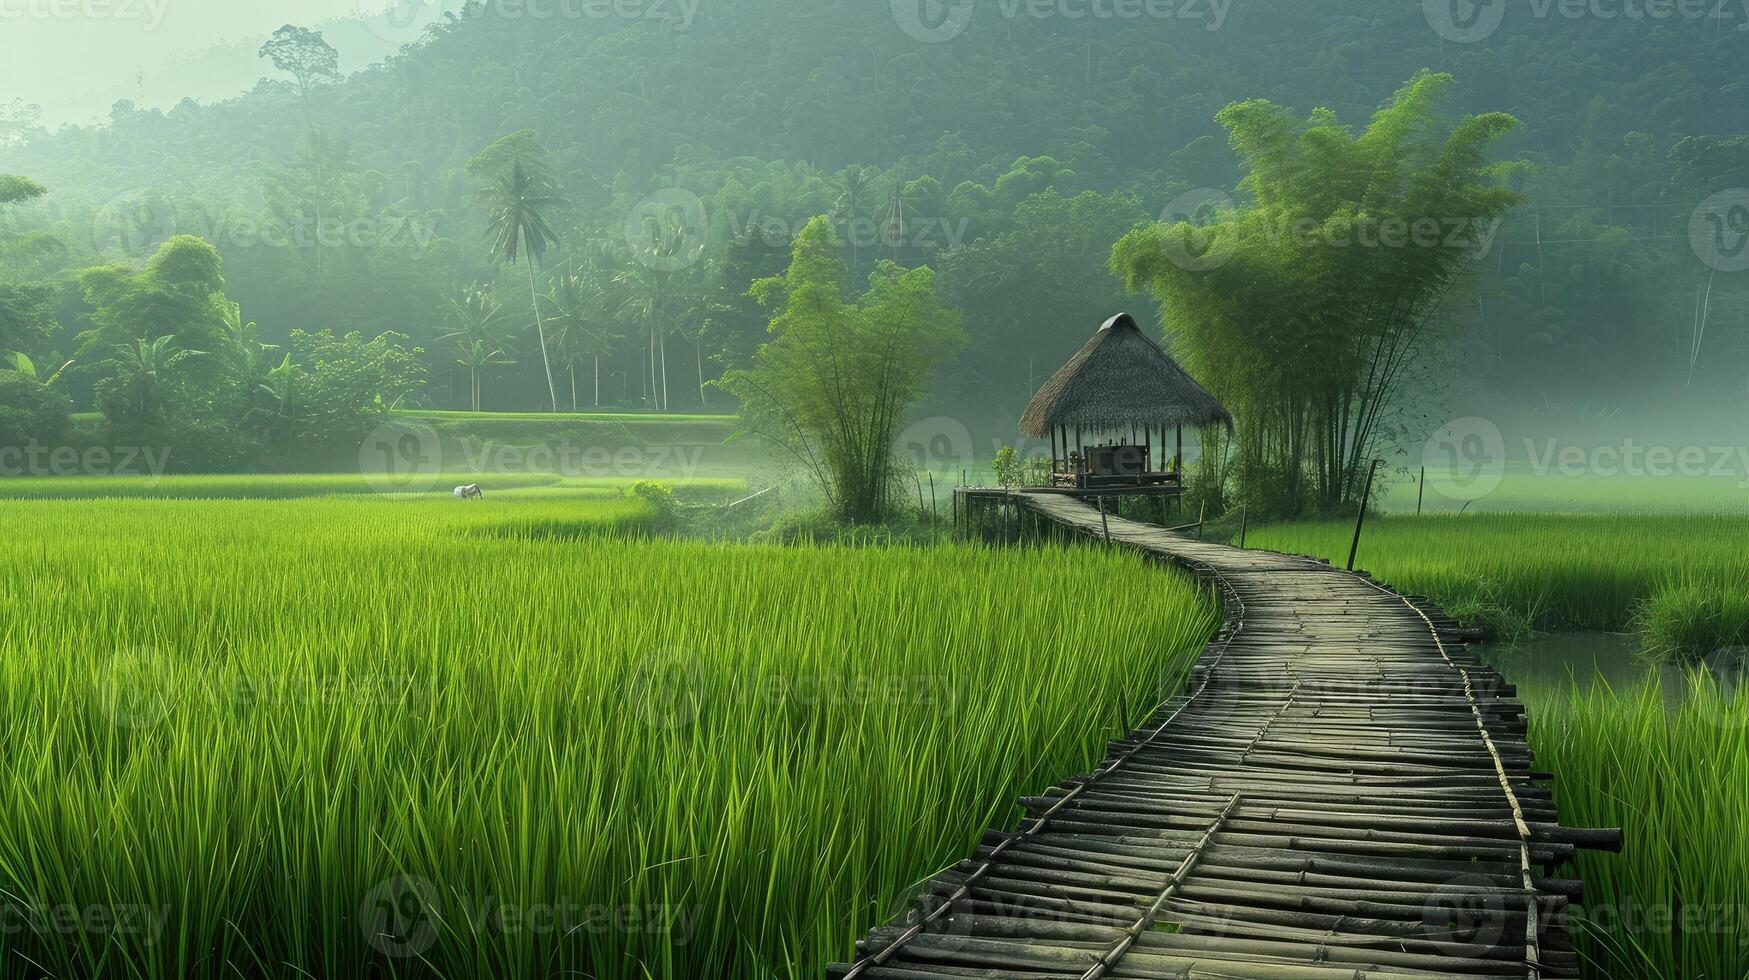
{"x":1342,"y":791}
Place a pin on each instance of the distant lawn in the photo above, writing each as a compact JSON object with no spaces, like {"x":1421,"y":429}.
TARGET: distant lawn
{"x":286,"y":486}
{"x":564,"y":416}
{"x":1522,"y":489}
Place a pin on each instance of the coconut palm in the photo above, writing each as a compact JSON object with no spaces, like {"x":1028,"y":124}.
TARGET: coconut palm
{"x":577,"y":299}
{"x":518,"y":204}
{"x":476,"y":354}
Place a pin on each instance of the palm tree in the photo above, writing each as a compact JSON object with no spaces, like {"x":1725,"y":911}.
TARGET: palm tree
{"x":476,"y":354}
{"x":855,"y":188}
{"x":478,"y":344}
{"x":643,"y":304}
{"x":144,"y":366}
{"x":518,"y":227}
{"x":576,"y":298}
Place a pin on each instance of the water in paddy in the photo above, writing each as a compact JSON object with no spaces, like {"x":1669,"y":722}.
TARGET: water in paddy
{"x":1571,"y":659}
{"x":1561,"y":661}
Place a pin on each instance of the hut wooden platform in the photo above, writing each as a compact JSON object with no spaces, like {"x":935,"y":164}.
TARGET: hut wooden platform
{"x":1343,"y":791}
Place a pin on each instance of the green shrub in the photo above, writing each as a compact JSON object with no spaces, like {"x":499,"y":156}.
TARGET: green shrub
{"x":1690,"y":616}
{"x":30,"y":412}
{"x":658,"y":496}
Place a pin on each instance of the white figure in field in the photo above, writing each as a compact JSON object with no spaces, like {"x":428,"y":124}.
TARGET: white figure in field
{"x":468,"y":492}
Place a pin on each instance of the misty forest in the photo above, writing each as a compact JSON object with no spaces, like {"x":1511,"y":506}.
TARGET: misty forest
{"x":916,"y":489}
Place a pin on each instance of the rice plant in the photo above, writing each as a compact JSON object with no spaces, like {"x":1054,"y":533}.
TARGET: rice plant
{"x":1674,"y":905}
{"x":358,"y":736}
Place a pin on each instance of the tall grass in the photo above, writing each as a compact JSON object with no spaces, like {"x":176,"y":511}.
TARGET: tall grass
{"x":1674,"y":905}
{"x":1552,"y":571}
{"x":357,"y":737}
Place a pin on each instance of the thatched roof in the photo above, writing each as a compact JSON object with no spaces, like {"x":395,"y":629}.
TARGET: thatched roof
{"x":1118,"y":380}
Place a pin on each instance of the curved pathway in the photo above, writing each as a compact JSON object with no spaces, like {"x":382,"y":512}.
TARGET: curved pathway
{"x":1342,"y":792}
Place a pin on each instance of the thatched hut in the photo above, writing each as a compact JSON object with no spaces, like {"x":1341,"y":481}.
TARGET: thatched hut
{"x":1123,"y":389}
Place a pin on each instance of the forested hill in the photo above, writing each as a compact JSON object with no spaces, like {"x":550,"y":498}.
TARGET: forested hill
{"x":760,"y":107}
{"x":837,"y":82}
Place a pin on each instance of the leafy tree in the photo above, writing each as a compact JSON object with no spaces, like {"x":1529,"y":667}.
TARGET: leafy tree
{"x":303,"y":54}
{"x":350,"y":384}
{"x":832,"y":384}
{"x":30,"y":411}
{"x":1306,"y":310}
{"x":518,"y":205}
{"x":16,"y":190}
{"x":180,"y":293}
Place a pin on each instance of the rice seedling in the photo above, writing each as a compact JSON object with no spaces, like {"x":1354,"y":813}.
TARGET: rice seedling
{"x":359,"y":736}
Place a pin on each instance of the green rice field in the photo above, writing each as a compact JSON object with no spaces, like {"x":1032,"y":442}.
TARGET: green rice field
{"x":363,"y":735}
{"x":1682,"y":579}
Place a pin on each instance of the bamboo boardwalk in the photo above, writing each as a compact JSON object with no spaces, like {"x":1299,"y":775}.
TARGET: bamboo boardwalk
{"x":1342,"y":791}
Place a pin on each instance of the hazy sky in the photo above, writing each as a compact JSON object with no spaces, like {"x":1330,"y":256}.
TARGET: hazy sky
{"x":74,"y":57}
